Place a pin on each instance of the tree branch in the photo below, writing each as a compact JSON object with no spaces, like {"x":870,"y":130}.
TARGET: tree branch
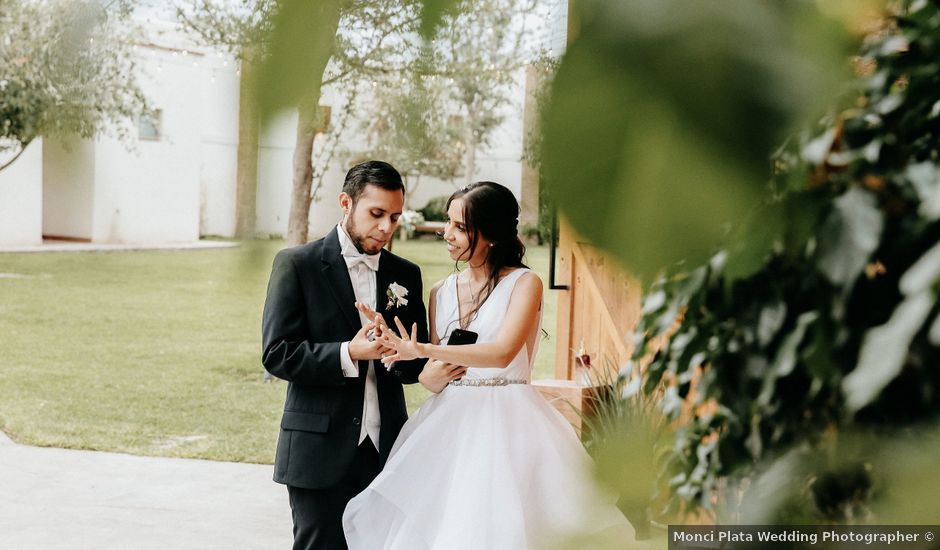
{"x":16,"y":156}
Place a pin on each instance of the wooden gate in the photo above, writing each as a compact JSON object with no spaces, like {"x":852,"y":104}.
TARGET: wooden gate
{"x":598,"y":308}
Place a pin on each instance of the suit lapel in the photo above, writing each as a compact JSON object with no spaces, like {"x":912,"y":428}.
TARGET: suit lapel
{"x":334,"y":268}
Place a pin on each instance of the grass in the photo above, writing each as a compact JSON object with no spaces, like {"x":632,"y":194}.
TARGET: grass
{"x":157,"y":352}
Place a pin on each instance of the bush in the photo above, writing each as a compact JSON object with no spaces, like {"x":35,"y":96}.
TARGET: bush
{"x":835,"y":329}
{"x":435,"y":210}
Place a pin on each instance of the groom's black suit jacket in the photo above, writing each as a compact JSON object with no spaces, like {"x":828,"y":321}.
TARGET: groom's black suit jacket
{"x":308,"y":313}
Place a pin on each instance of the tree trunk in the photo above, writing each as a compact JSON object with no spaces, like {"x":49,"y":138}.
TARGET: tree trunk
{"x":471,"y":166}
{"x":246,"y":172}
{"x":23,"y":147}
{"x":412,"y":186}
{"x":309,"y":121}
{"x":299,"y":220}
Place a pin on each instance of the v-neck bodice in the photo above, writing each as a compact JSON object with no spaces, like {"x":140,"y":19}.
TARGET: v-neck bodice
{"x":487,"y":323}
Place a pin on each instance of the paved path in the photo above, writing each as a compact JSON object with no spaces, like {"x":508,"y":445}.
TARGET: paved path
{"x":77,"y":500}
{"x":69,"y":246}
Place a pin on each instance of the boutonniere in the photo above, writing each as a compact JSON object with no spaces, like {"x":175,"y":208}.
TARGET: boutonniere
{"x":396,"y":296}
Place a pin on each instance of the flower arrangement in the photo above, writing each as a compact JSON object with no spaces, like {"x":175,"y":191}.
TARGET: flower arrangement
{"x":582,"y":361}
{"x":408,"y":221}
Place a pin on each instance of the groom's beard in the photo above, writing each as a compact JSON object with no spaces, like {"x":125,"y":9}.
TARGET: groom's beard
{"x":358,"y":240}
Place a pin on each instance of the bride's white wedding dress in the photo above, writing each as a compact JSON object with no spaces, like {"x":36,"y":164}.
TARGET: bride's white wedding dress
{"x":481,"y":465}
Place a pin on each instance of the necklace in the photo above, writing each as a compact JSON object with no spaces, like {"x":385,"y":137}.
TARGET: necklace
{"x":474,"y":305}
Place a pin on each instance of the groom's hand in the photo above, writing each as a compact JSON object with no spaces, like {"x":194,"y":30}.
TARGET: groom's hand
{"x":370,"y":313}
{"x":436,"y":374}
{"x":361,"y":347}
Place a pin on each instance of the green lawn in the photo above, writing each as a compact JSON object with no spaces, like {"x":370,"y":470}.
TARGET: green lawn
{"x":157,"y":352}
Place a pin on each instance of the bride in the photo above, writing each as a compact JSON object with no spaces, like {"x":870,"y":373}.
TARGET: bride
{"x":486,"y":462}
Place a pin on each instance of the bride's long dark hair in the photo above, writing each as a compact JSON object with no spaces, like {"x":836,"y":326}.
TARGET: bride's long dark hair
{"x":491,"y":210}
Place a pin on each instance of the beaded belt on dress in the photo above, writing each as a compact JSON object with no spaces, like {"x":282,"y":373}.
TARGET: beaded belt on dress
{"x":486,"y":382}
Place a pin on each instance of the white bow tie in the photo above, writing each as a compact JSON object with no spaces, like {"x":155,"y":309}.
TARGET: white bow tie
{"x":355,"y":258}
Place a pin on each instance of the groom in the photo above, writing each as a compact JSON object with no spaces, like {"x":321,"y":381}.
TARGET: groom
{"x":343,"y":409}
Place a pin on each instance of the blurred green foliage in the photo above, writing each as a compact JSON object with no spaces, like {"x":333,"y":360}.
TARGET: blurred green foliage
{"x":664,"y":112}
{"x":433,"y":13}
{"x":436,"y":209}
{"x":817,"y":328}
{"x":299,"y":44}
{"x":628,"y":438}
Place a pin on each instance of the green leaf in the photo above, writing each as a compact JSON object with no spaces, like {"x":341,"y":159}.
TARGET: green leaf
{"x":752,"y":241}
{"x":771,"y":319}
{"x":433,"y":12}
{"x":925,"y":178}
{"x":786,"y":356}
{"x":816,"y":151}
{"x":884,"y":351}
{"x":923,"y":274}
{"x":849,"y":236}
{"x":301,"y":42}
{"x":933,"y":336}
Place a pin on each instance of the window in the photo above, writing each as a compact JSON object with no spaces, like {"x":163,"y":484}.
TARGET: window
{"x":150,"y":126}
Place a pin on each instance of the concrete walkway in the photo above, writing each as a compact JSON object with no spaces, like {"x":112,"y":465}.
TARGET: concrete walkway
{"x":76,"y":500}
{"x":71,"y":246}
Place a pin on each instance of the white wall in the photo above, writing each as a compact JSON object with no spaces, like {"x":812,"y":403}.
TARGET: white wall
{"x":151,"y":195}
{"x":21,"y":199}
{"x":275,"y":173}
{"x":183,"y":186}
{"x":219,"y":145}
{"x":325,"y":212}
{"x":217,"y":178}
{"x":68,"y":188}
{"x":275,"y":181}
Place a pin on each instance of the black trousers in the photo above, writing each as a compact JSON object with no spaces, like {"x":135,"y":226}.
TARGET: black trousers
{"x":318,"y":513}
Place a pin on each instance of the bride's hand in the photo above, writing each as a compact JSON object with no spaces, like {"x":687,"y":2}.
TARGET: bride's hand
{"x":437,"y":374}
{"x":406,"y":348}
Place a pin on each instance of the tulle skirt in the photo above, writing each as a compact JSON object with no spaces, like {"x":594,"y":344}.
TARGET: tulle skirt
{"x":481,"y":468}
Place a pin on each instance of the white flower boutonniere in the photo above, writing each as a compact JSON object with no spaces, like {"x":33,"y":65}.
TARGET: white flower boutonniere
{"x":396,"y":296}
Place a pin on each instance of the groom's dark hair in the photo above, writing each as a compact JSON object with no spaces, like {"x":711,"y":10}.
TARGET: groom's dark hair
{"x":372,"y":172}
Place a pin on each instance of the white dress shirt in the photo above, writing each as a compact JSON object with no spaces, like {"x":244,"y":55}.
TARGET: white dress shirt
{"x":362,"y":276}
